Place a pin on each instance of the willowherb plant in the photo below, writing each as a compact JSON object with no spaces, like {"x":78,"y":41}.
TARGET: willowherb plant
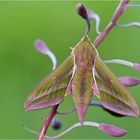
{"x":84,"y":75}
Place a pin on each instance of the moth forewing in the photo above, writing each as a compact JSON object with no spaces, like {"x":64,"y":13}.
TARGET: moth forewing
{"x":113,"y":95}
{"x":50,"y":91}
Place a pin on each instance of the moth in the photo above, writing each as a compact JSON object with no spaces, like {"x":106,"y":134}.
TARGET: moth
{"x":83,"y":75}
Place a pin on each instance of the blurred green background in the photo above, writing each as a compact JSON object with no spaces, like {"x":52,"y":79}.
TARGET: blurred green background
{"x":21,"y":67}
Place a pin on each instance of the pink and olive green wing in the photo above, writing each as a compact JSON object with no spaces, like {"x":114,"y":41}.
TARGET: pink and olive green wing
{"x":51,"y":90}
{"x":113,"y":95}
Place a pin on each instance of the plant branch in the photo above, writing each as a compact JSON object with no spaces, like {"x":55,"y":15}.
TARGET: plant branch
{"x":120,"y":9}
{"x":43,"y":130}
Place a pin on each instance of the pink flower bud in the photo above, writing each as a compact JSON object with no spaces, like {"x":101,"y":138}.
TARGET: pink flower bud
{"x":81,"y":10}
{"x":41,"y":46}
{"x":136,"y":66}
{"x":129,"y":81}
{"x":112,"y":130}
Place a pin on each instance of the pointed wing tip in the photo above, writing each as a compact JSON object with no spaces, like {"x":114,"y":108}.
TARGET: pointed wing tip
{"x":31,"y":105}
{"x":26,"y":106}
{"x":123,"y":111}
{"x":136,"y":111}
